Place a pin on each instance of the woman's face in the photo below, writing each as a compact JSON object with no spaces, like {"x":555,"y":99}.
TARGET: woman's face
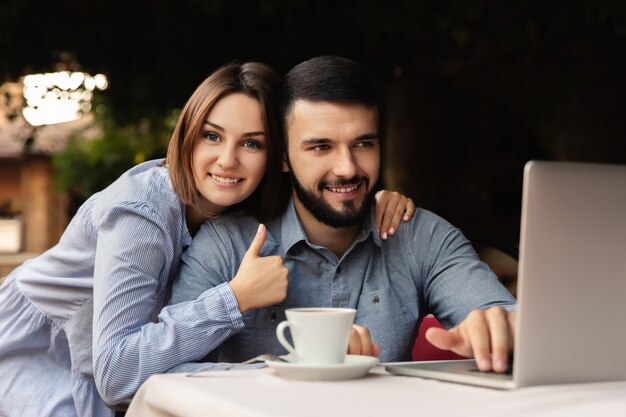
{"x":229,"y":159}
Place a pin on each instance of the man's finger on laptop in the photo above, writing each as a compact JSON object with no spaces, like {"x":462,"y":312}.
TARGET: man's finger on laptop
{"x":500,"y":337}
{"x":477,"y":328}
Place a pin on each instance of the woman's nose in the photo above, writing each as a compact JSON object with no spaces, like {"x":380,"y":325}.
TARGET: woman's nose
{"x":228,"y":158}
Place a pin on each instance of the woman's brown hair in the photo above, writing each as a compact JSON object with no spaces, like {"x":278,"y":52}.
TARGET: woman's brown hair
{"x":258,"y":81}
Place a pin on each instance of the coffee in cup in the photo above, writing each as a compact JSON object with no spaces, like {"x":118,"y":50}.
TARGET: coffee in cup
{"x":320,"y":335}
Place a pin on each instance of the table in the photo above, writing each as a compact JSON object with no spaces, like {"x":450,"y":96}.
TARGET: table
{"x":260,"y":393}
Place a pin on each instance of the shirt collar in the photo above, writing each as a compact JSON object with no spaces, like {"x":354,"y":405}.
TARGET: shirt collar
{"x":369,"y":227}
{"x":292,"y":231}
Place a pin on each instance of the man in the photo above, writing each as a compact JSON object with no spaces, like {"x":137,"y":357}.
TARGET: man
{"x":329,"y":244}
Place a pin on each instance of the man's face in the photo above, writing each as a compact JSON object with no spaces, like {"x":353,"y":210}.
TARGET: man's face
{"x":333,"y":156}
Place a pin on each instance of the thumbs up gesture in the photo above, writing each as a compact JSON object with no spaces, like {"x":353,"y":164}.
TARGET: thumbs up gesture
{"x":261,"y":281}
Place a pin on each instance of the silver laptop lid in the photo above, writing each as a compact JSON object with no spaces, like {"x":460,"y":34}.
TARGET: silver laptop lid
{"x":572,"y":274}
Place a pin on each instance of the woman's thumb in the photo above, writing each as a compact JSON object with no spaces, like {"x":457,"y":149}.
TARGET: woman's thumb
{"x":257,"y":243}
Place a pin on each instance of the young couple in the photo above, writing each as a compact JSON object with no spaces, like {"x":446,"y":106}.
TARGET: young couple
{"x":84,"y":325}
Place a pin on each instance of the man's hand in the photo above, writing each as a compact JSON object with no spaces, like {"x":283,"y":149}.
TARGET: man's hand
{"x":487,"y":335}
{"x":260,"y":281}
{"x":361,"y":342}
{"x":391,"y":208}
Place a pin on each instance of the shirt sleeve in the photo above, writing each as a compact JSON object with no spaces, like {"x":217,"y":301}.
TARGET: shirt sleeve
{"x":133,"y":250}
{"x":455,"y":280}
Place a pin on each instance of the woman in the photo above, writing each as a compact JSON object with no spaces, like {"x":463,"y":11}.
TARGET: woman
{"x":83,"y":324}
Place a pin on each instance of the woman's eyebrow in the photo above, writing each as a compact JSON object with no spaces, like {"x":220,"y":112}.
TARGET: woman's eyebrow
{"x":213,"y":125}
{"x":221,"y":129}
{"x":259,"y":133}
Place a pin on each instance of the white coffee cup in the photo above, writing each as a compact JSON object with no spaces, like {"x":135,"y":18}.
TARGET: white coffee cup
{"x":320,"y":335}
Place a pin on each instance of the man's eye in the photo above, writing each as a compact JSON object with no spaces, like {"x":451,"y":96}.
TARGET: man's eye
{"x":364,"y":144}
{"x":321,"y":148}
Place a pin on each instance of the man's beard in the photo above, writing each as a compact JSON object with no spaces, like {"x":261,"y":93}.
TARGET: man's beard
{"x":325,"y":213}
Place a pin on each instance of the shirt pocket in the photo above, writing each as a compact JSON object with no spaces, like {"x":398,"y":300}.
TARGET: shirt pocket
{"x":389,"y":323}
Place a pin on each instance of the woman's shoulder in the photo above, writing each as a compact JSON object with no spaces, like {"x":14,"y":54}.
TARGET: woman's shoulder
{"x":143,"y":179}
{"x":144,"y":187}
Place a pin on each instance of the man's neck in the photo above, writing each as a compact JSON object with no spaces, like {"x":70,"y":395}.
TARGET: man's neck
{"x":335,"y":239}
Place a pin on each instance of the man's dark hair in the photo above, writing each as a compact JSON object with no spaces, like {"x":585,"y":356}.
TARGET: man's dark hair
{"x":328,"y":78}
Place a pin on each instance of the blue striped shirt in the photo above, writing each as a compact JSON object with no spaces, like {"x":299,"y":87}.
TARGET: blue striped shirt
{"x":82,"y":325}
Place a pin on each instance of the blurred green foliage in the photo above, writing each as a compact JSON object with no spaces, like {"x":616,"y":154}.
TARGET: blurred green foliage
{"x":88,"y":165}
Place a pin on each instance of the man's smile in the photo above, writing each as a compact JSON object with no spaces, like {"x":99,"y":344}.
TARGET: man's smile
{"x":342,"y":189}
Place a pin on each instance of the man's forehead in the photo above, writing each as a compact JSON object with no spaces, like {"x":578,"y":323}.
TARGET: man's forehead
{"x":319,"y":114}
{"x":300,"y":106}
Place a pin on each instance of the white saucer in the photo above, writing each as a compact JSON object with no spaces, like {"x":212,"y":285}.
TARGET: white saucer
{"x":355,"y":366}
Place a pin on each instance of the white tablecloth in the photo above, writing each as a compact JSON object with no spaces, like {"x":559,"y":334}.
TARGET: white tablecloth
{"x":260,"y":393}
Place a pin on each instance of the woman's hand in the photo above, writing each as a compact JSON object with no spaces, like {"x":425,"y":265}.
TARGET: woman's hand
{"x":391,"y":208}
{"x":261,"y":281}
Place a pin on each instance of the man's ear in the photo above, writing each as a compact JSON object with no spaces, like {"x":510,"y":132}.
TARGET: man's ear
{"x":285,"y":164}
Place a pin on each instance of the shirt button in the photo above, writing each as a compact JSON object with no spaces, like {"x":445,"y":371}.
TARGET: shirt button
{"x":339,"y":270}
{"x":273,"y":316}
{"x":375,"y":299}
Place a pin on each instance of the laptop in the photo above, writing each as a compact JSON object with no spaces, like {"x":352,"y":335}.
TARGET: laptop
{"x":571,"y":282}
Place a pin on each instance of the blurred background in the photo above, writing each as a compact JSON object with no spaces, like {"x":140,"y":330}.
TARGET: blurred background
{"x":473,"y":90}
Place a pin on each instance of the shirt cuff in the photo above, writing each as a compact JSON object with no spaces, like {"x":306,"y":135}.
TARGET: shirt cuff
{"x":232,"y":307}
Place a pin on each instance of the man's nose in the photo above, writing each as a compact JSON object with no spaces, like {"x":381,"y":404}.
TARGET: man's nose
{"x":345,"y":164}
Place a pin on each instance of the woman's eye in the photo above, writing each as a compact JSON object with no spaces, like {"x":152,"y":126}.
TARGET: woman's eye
{"x":211,"y":136}
{"x":251,"y":144}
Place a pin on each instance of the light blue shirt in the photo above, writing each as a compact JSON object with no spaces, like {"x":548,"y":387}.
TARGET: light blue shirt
{"x":427,"y":267}
{"x":82,"y":326}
